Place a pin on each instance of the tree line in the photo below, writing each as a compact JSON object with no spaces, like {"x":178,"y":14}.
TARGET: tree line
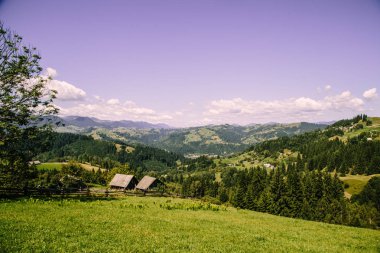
{"x":288,"y":190}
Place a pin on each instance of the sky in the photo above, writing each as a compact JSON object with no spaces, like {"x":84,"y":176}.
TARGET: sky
{"x":199,"y":62}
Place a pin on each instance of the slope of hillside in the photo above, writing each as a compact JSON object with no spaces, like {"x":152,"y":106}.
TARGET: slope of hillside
{"x":371,"y":130}
{"x":347,"y":146}
{"x":104,"y":154}
{"x":194,"y":141}
{"x":151,"y":224}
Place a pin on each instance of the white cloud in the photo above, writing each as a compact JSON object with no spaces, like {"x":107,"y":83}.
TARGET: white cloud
{"x":113,"y":101}
{"x":370,"y":94}
{"x":328,"y":87}
{"x":343,"y":101}
{"x":65,"y":90}
{"x":239,"y":110}
{"x":113,"y":109}
{"x":307,"y":104}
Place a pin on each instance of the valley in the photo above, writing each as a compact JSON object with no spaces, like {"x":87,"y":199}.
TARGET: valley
{"x":193,"y":142}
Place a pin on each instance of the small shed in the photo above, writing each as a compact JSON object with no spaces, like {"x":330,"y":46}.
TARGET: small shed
{"x":124,"y":182}
{"x":148,"y":182}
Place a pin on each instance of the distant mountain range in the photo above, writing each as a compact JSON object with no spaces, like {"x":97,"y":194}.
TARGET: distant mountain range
{"x":89,"y":122}
{"x":193,"y":141}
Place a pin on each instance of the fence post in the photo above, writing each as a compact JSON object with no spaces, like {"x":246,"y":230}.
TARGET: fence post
{"x":25,"y":190}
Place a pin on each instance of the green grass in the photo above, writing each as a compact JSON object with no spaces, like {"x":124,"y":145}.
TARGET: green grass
{"x":49,"y":166}
{"x":356,"y":182}
{"x":147,"y":224}
{"x":58,"y":166}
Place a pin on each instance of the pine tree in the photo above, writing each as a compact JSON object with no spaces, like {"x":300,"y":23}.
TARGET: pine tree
{"x":223,"y":196}
{"x":263,"y":204}
{"x":239,"y":198}
{"x":249,"y":199}
{"x":294,"y":193}
{"x":277,"y":192}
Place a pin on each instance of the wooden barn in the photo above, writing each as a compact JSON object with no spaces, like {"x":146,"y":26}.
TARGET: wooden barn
{"x":148,"y":183}
{"x":123,"y":182}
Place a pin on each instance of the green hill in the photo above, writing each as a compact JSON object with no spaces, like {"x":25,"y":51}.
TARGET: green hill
{"x":132,"y":224}
{"x":193,"y":141}
{"x":371,"y":130}
{"x":348,"y":146}
{"x":66,"y":146}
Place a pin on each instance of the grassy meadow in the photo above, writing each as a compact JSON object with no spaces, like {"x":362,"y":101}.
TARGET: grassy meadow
{"x":58,"y":166}
{"x":152,"y":224}
{"x":356,"y":183}
{"x":50,"y":166}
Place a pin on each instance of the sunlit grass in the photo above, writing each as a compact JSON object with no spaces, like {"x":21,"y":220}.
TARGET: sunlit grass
{"x":50,"y":166}
{"x":58,"y":166}
{"x":356,"y":183}
{"x":148,"y":224}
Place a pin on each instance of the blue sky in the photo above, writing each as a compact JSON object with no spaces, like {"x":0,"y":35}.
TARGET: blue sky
{"x":189,"y":63}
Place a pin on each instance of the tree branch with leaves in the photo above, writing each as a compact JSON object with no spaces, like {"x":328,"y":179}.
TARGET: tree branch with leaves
{"x":24,"y":102}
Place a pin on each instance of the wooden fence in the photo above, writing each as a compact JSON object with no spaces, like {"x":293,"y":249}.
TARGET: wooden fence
{"x":46,"y":192}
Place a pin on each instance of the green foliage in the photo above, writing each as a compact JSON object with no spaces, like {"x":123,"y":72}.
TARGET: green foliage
{"x":199,"y":185}
{"x":70,"y":177}
{"x":119,"y":170}
{"x":370,"y":194}
{"x":200,"y":163}
{"x":289,"y":191}
{"x":24,"y":100}
{"x":350,"y":122}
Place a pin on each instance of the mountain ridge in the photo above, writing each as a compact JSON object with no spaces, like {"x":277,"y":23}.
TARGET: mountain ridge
{"x":209,"y":140}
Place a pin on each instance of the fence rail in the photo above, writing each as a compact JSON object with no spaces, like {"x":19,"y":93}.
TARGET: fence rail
{"x":41,"y":192}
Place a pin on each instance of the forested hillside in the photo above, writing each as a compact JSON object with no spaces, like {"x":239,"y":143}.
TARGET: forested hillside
{"x":287,"y":191}
{"x":298,"y":176}
{"x":194,"y":141}
{"x":81,"y":148}
{"x":348,"y":146}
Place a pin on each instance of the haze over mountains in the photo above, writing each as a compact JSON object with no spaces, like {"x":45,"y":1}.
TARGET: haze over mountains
{"x":193,"y":141}
{"x":87,"y":122}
